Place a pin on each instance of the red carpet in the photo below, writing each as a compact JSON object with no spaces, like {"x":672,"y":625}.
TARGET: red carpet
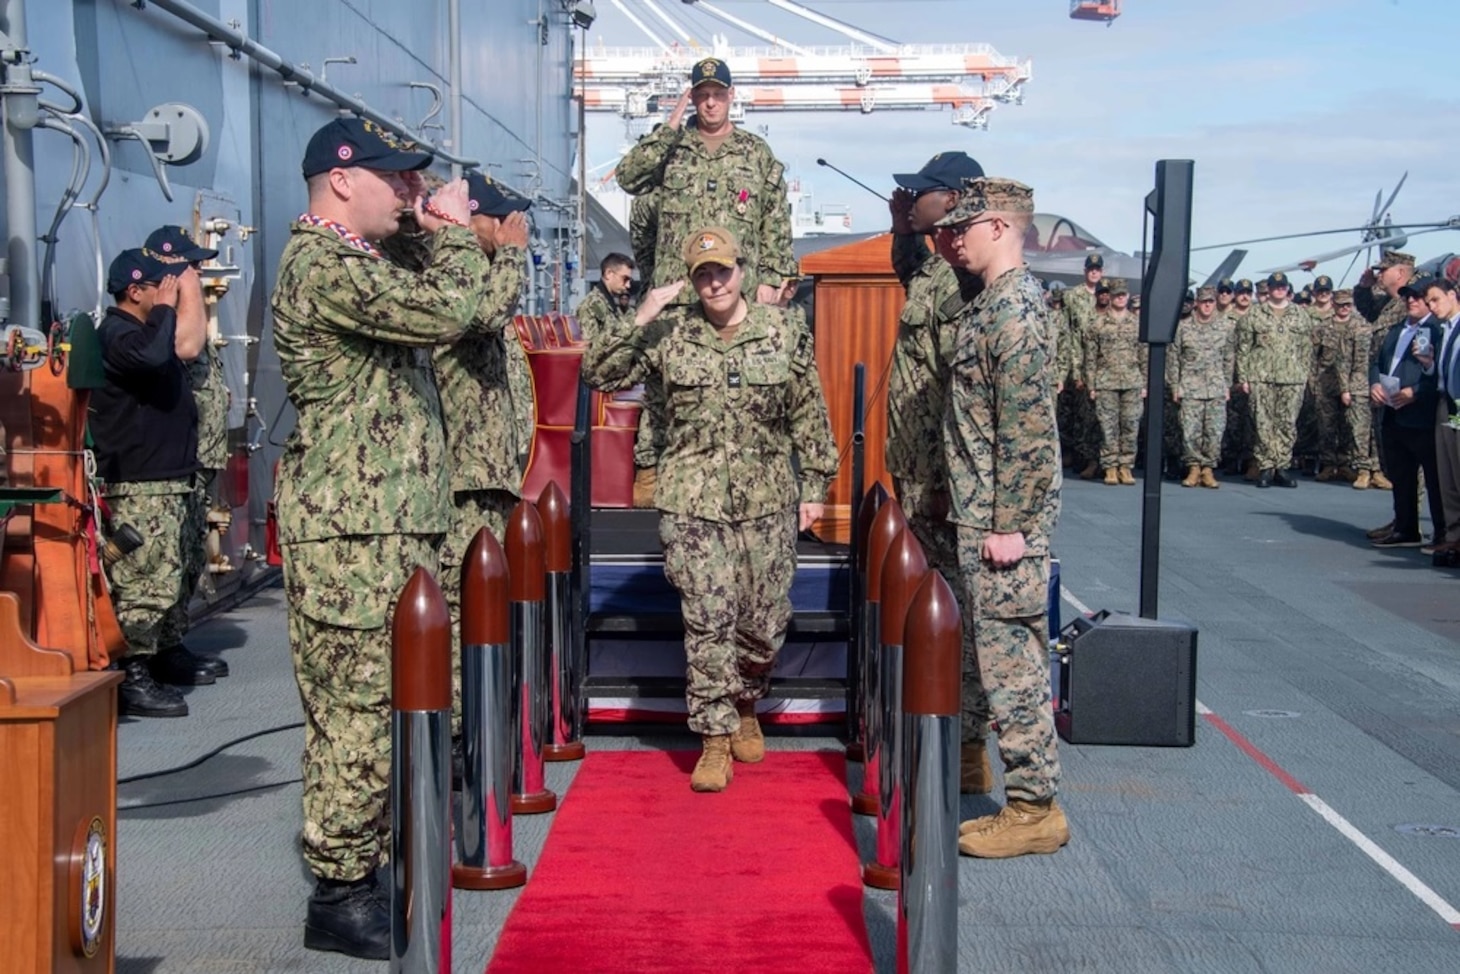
{"x":641,"y":874}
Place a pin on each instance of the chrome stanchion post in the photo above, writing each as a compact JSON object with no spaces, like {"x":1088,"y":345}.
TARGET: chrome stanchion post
{"x":420,"y":780}
{"x":490,"y":715}
{"x":530,"y":794}
{"x":902,"y":572}
{"x":565,"y":717}
{"x":927,"y":900}
{"x":861,"y":536}
{"x":886,"y":526}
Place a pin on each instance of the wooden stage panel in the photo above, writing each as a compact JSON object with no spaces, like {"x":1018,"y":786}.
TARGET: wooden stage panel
{"x":858,"y":301}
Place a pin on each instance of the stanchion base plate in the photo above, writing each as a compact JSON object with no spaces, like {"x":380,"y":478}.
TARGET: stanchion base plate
{"x":572,"y":751}
{"x":864,"y":804}
{"x":534,"y":804}
{"x":878,"y":876}
{"x":855,"y":752}
{"x":510,"y":876}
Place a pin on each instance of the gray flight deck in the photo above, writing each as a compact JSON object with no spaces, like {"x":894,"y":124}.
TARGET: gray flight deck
{"x":1339,"y":662}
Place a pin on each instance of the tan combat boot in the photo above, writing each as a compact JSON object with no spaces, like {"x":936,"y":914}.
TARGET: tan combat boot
{"x":1327,"y":474}
{"x":1021,"y":828}
{"x":1193,"y":476}
{"x":975,"y":777}
{"x":1127,"y":478}
{"x":1209,"y":478}
{"x":1361,"y":482}
{"x":645,"y":479}
{"x":1252,"y":472}
{"x":1112,"y":477}
{"x":747,"y":743}
{"x":1091,"y":471}
{"x":1378,"y":481}
{"x":714,"y":770}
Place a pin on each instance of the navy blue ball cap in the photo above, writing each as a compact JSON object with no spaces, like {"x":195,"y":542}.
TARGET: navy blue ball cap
{"x":489,"y":198}
{"x":710,"y":71}
{"x":1278,"y":279}
{"x":1322,"y":283}
{"x":137,"y":266}
{"x":946,"y":170}
{"x":172,"y":242}
{"x":1095,"y":262}
{"x":348,"y":142}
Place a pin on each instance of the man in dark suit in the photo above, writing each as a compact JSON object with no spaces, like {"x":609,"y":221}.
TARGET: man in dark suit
{"x":1408,"y":410}
{"x":1444,"y":304}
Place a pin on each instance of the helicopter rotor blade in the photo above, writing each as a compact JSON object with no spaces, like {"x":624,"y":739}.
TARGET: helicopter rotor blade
{"x":1390,"y":202}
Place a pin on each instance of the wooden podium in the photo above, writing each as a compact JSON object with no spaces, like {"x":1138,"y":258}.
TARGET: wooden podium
{"x":58,"y":806}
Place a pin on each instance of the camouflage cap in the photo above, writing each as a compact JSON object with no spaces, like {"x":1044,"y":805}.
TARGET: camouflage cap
{"x":710,"y":71}
{"x":1244,"y":286}
{"x":989,"y":194}
{"x":1118,"y":286}
{"x":1344,"y":297}
{"x":1322,"y":283}
{"x":1395,"y":258}
{"x":711,"y":245}
{"x":1278,"y":279}
{"x":1262,"y":286}
{"x":1206,"y":294}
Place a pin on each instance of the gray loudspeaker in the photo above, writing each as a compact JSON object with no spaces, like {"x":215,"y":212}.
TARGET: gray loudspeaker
{"x":1127,"y":680}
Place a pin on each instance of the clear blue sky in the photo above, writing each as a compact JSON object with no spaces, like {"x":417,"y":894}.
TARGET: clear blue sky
{"x":1295,"y":111}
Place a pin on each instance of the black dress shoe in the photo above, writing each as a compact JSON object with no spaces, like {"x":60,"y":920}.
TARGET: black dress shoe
{"x":139,"y":695}
{"x":350,"y":918}
{"x":1281,"y":479}
{"x":1264,"y":479}
{"x":212,"y":664}
{"x":181,"y":668}
{"x":1397,"y":540}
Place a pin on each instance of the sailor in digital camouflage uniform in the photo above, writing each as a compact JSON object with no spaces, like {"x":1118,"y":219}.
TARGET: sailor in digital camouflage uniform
{"x":917,"y":396}
{"x":1356,"y":464}
{"x":1115,"y":375}
{"x":144,"y":422}
{"x":606,"y":302}
{"x":480,"y":401}
{"x":1274,"y":348}
{"x":643,"y":232}
{"x":1002,"y":450}
{"x":713,"y":174}
{"x":747,"y":460}
{"x":1327,"y":426}
{"x":174,"y":662}
{"x":363,"y":486}
{"x":1079,"y":426}
{"x":1203,"y":357}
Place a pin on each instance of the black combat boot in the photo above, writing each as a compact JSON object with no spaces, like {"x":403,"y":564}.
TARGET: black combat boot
{"x":180,"y":666}
{"x":141,"y":696}
{"x":1280,"y":478}
{"x":1264,"y":479}
{"x":349,"y":918}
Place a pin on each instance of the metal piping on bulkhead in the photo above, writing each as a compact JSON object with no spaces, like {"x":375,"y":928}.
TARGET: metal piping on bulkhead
{"x":21,"y":107}
{"x":453,"y":70}
{"x":303,"y":77}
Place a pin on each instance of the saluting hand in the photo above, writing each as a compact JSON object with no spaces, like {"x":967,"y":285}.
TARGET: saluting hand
{"x":656,"y":301}
{"x":167,"y":291}
{"x":453,"y":203}
{"x":676,"y":117}
{"x":767,"y":294}
{"x":901,"y":206}
{"x":512,"y":230}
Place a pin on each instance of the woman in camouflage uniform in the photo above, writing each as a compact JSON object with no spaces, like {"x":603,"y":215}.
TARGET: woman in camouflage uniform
{"x":742,"y":395}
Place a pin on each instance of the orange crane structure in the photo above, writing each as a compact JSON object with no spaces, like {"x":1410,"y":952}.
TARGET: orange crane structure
{"x":872,"y":73}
